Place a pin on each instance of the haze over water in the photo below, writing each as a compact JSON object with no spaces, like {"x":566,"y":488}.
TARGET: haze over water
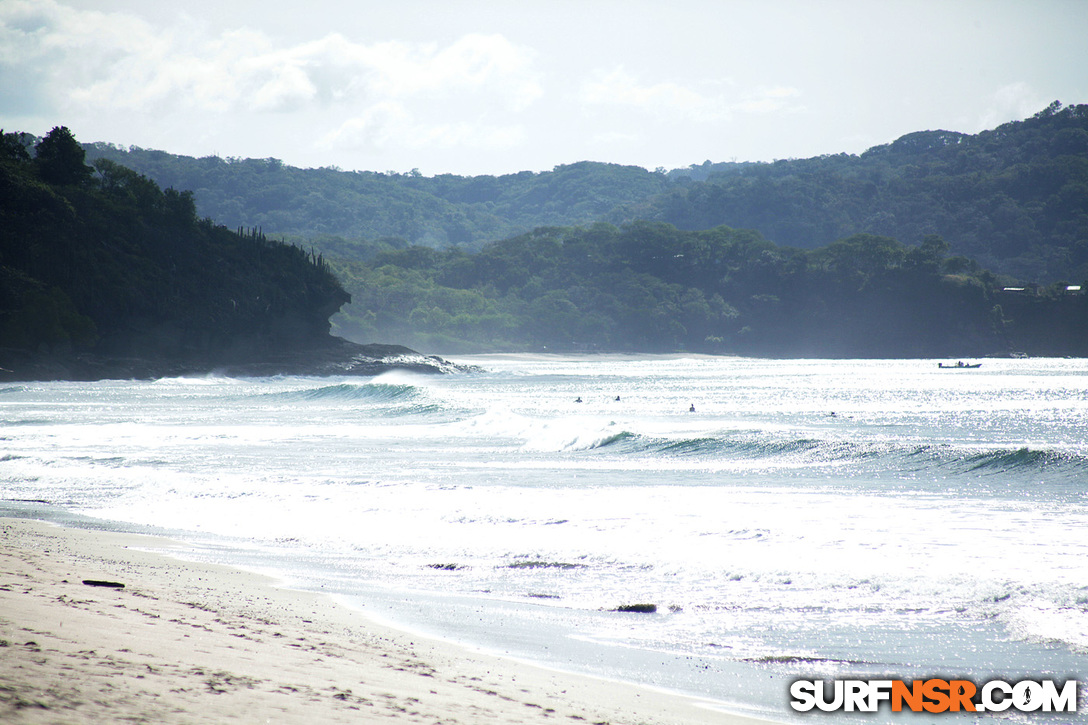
{"x":809,"y":518}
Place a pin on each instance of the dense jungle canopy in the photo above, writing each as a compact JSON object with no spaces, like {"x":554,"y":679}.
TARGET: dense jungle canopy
{"x":100,"y":259}
{"x":647,"y":286}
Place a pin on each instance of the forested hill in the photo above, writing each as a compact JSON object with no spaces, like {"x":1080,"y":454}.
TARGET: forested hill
{"x":649,"y":287}
{"x":339,"y":210}
{"x":101,"y":261}
{"x":1015,"y":198}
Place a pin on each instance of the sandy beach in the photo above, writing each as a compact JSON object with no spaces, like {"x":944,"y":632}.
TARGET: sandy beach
{"x":187,"y":642}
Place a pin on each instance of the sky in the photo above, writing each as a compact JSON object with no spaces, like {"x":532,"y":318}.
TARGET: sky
{"x":487,"y":87}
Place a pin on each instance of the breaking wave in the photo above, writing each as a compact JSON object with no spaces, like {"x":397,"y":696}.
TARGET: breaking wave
{"x":874,"y":455}
{"x":351,"y":392}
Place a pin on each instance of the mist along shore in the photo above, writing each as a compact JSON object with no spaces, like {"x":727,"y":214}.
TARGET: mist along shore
{"x":185,"y":642}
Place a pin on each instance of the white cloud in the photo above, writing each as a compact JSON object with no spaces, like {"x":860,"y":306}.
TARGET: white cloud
{"x":62,"y":50}
{"x":770,"y":100}
{"x":376,"y":127}
{"x":472,"y":63}
{"x":114,"y":60}
{"x":1012,"y":102}
{"x":705,"y":101}
{"x":616,"y":137}
{"x":619,"y":88}
{"x":390,"y":123}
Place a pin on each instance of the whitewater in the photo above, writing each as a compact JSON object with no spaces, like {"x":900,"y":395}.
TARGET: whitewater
{"x":783,"y":518}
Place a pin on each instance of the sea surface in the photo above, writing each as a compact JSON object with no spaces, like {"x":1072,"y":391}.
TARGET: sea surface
{"x":808,"y":518}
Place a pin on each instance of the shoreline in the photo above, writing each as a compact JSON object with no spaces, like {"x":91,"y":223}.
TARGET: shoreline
{"x":187,"y":642}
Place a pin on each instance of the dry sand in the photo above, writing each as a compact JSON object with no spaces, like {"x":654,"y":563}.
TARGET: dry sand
{"x":185,"y":642}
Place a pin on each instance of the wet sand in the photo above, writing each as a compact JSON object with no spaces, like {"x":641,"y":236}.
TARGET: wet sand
{"x":187,"y":642}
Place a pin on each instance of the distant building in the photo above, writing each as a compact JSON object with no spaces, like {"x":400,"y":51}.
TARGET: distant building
{"x":1069,"y":289}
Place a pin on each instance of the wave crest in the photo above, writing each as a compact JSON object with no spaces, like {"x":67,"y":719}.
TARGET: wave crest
{"x":370,"y":392}
{"x":876,"y":455}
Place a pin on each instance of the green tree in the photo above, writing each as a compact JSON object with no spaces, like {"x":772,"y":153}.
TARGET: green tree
{"x":12,"y":147}
{"x":59,"y":159}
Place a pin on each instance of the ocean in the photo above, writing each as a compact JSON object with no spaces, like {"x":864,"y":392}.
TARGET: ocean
{"x":783,"y":519}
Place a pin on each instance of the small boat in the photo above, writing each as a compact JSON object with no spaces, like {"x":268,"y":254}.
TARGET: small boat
{"x":959,"y":366}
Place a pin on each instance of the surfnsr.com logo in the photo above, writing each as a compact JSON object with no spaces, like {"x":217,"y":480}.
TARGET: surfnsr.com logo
{"x":934,"y":695}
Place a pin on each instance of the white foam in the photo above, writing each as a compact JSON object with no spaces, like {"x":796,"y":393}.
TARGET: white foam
{"x":759,"y":552}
